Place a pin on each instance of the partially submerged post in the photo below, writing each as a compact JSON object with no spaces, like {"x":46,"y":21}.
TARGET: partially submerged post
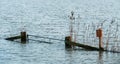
{"x":23,"y":37}
{"x":68,"y":40}
{"x":99,"y":35}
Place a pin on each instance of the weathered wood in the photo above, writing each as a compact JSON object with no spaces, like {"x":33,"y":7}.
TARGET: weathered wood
{"x":68,"y":39}
{"x":23,"y":37}
{"x":87,"y":47}
{"x":13,"y":38}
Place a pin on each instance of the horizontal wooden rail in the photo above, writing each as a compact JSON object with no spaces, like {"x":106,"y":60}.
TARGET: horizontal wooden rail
{"x":13,"y":38}
{"x":87,"y":47}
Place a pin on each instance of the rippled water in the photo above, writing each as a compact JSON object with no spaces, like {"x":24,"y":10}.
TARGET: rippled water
{"x":50,"y":18}
{"x":41,"y":53}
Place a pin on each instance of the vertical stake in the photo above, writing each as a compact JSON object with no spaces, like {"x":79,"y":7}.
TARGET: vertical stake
{"x":23,"y":37}
{"x":67,"y":41}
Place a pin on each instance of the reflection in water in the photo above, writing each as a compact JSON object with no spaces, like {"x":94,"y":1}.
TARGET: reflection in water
{"x":37,"y":53}
{"x":100,"y":59}
{"x":69,"y":56}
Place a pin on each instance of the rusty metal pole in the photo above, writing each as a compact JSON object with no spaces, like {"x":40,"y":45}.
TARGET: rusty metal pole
{"x":99,"y":35}
{"x":100,"y":43}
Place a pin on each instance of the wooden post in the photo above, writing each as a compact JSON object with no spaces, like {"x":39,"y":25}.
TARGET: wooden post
{"x":99,"y":35}
{"x":23,"y":37}
{"x":68,"y":40}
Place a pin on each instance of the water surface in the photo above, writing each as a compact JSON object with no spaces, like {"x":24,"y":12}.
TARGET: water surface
{"x":50,"y":18}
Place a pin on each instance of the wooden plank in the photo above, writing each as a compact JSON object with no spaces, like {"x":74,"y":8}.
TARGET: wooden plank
{"x":87,"y":47}
{"x":13,"y":38}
